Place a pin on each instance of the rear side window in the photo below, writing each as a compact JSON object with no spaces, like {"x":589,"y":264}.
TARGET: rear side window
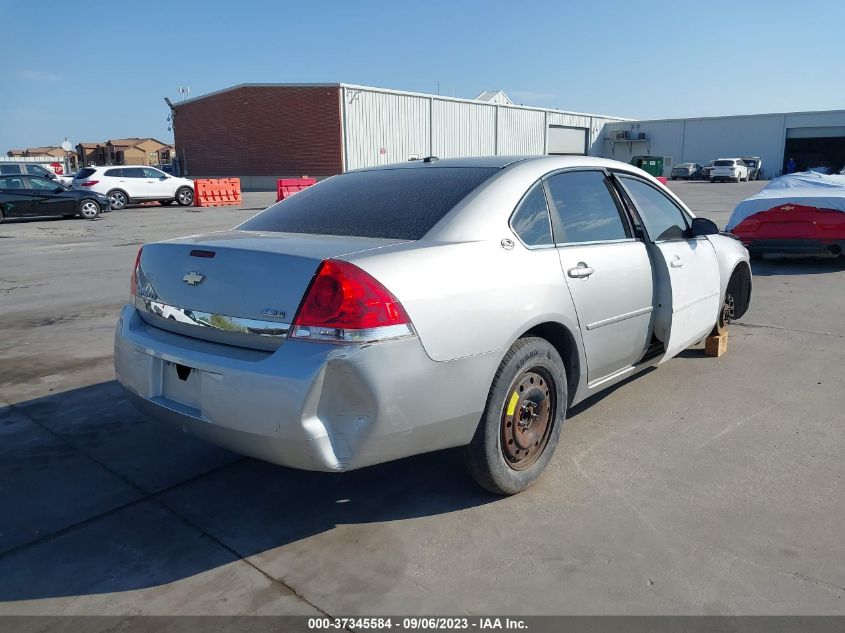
{"x":11,"y":182}
{"x":9,"y":169}
{"x":114,"y":173}
{"x":133,"y":172}
{"x":85,"y":173}
{"x":531,"y":219}
{"x":387,"y":203}
{"x":584,"y":208}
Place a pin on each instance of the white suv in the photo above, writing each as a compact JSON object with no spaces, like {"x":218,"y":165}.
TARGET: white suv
{"x":125,"y":184}
{"x":729,"y":169}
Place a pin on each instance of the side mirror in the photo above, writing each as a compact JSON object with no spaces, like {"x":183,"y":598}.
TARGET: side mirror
{"x":703,"y":226}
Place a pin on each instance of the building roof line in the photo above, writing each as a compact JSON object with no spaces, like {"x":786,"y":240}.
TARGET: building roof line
{"x":732,"y":116}
{"x":399,"y":92}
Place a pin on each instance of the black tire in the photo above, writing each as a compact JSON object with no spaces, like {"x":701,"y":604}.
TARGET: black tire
{"x":166,"y":203}
{"x":185,"y":196}
{"x":89,"y":209}
{"x":118,"y":199}
{"x":508,"y":406}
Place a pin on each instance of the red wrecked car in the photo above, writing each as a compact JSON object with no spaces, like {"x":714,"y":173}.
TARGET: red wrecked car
{"x":800,"y":213}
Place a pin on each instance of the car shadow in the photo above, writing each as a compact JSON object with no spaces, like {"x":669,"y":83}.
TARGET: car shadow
{"x":772,"y":266}
{"x":95,"y":498}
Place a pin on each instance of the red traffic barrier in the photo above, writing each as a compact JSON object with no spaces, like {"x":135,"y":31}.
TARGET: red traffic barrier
{"x":217,"y":192}
{"x":286,"y":187}
{"x":662,"y":179}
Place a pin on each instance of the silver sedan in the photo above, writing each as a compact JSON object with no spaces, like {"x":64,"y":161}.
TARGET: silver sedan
{"x":414,"y":307}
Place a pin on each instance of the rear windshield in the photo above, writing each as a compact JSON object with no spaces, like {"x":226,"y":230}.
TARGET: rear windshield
{"x":390,"y":203}
{"x":724,"y":163}
{"x":84,"y":173}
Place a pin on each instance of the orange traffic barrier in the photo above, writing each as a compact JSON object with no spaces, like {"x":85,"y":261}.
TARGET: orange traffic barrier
{"x":286,"y":187}
{"x":662,"y":179}
{"x":217,"y":192}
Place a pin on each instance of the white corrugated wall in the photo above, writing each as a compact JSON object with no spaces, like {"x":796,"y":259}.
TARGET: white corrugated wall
{"x":384,"y":126}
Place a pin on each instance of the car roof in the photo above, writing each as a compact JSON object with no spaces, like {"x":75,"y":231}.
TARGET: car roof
{"x":501,"y":162}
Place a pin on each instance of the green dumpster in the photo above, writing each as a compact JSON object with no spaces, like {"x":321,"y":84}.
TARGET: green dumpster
{"x":650,"y":164}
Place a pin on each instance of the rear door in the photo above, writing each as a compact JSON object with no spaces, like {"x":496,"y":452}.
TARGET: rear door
{"x":607,"y":270}
{"x":14,"y":196}
{"x":686,"y":271}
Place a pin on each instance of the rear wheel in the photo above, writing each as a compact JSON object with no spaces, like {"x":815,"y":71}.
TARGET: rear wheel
{"x":185,"y":196}
{"x":89,"y":209}
{"x":521,"y":423}
{"x":118,"y":199}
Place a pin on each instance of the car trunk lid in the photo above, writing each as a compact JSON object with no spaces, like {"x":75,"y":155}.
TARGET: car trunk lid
{"x":235,"y":287}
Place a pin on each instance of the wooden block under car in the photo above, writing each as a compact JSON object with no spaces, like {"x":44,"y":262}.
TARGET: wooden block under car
{"x":716,"y":345}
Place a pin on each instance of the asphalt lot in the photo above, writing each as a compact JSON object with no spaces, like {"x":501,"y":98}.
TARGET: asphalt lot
{"x":707,"y":486}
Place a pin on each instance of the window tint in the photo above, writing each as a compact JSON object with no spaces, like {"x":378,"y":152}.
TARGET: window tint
{"x":584,"y":208}
{"x":133,"y":172}
{"x":43,"y":184}
{"x":662,"y":218}
{"x":11,"y":182}
{"x":149,"y":172}
{"x":9,"y":169}
{"x":38,"y":170}
{"x":531,"y":219}
{"x":724,"y":163}
{"x":114,"y":173}
{"x":85,"y":173}
{"x":392,"y":203}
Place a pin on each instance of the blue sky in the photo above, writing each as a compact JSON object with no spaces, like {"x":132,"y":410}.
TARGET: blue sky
{"x":96,"y":70}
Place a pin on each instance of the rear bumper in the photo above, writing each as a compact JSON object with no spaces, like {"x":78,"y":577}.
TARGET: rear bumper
{"x":312,"y":406}
{"x":795,"y":246}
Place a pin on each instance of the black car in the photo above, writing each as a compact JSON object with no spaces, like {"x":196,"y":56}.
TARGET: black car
{"x":24,"y":196}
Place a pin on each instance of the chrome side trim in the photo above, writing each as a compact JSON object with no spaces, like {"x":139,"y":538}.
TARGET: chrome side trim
{"x":619,"y":317}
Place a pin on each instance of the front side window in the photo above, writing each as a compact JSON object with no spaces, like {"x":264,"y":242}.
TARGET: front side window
{"x":42,"y":184}
{"x":584,"y":209}
{"x":531,"y":219}
{"x":37,"y":170}
{"x":152,"y":173}
{"x":662,"y":218}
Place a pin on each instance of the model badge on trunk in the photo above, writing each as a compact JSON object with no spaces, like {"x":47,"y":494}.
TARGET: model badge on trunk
{"x":276,"y":314}
{"x":193,"y":278}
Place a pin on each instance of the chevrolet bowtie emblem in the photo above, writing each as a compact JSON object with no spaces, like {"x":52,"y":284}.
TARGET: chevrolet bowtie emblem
{"x":193,"y":278}
{"x":787,"y":207}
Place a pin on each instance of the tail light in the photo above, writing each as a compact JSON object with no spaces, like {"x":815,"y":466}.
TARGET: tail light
{"x":88,"y":183}
{"x":133,"y":284}
{"x":345,"y":304}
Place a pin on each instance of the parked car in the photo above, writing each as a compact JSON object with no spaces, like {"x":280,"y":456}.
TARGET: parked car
{"x":800,"y":213}
{"x":124,"y":185}
{"x":31,"y":196}
{"x":33,"y":169}
{"x":705,"y":171}
{"x":725,"y":169}
{"x":755,"y":167}
{"x":408,"y":308}
{"x":686,"y":171}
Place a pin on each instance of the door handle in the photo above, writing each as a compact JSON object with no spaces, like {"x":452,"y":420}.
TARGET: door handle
{"x":676,"y":262}
{"x":581,"y":270}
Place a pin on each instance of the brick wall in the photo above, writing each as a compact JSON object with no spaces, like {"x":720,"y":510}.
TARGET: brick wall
{"x":273,"y":131}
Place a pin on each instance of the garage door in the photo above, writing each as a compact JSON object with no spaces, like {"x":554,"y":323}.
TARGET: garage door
{"x":567,"y":140}
{"x":813,"y":147}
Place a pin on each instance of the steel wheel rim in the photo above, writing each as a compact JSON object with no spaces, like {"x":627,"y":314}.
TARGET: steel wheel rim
{"x":89,"y":210}
{"x":185,"y":196}
{"x":118,"y":200}
{"x":528,"y":416}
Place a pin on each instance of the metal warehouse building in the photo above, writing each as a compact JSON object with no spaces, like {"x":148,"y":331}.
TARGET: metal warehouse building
{"x":813,"y":139}
{"x":261,"y":132}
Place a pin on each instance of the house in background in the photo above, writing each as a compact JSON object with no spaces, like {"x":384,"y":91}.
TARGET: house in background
{"x":126,"y":151}
{"x":44,"y":153}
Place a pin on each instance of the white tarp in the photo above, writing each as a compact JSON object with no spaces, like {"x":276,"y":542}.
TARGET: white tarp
{"x":807,"y":188}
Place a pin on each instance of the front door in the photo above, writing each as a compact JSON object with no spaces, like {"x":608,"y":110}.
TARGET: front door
{"x":46,"y":199}
{"x":686,"y":269}
{"x":607,"y":271}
